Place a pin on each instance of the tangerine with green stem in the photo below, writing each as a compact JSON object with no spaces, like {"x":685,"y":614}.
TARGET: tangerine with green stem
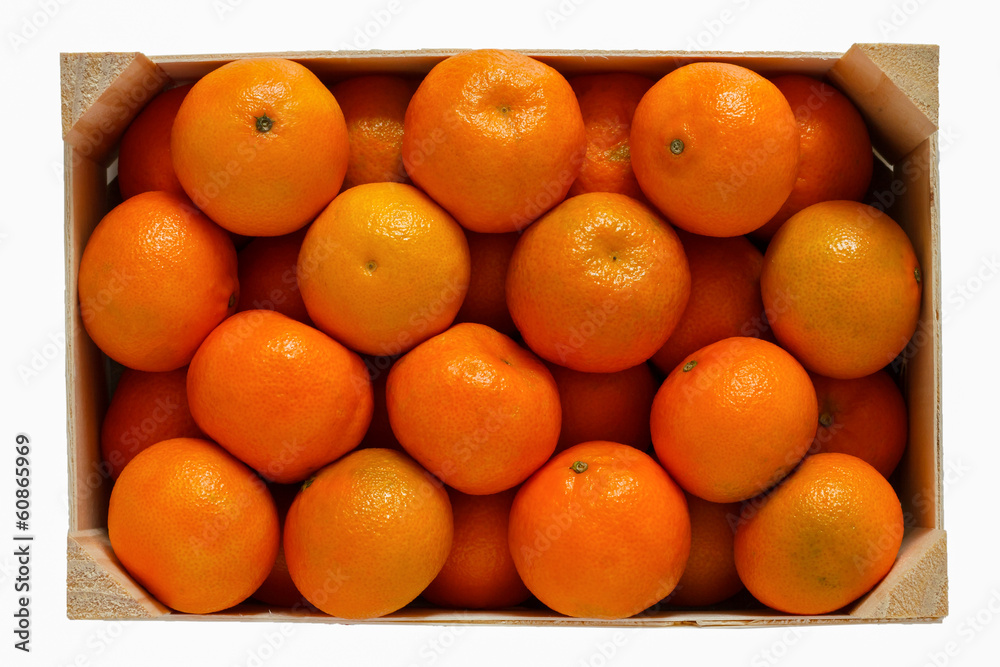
{"x":600,"y":531}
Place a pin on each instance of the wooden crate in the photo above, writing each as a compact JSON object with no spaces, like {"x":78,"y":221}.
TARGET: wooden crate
{"x":894,"y":86}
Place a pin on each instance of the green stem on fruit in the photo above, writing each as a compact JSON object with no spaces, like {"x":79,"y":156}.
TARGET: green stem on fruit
{"x":264,"y":124}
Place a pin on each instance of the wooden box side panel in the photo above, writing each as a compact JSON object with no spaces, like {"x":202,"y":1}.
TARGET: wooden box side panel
{"x":915,"y":590}
{"x":895,"y":88}
{"x":97,"y":586}
{"x":917,"y":585}
{"x":335,"y":65}
{"x":915,"y":208}
{"x":101,"y":93}
{"x":86,"y":399}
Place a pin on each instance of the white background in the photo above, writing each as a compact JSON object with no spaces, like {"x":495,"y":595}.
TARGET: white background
{"x":31,"y":312}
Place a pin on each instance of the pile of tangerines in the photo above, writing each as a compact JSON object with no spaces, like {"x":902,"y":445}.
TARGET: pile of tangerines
{"x":494,"y":334}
